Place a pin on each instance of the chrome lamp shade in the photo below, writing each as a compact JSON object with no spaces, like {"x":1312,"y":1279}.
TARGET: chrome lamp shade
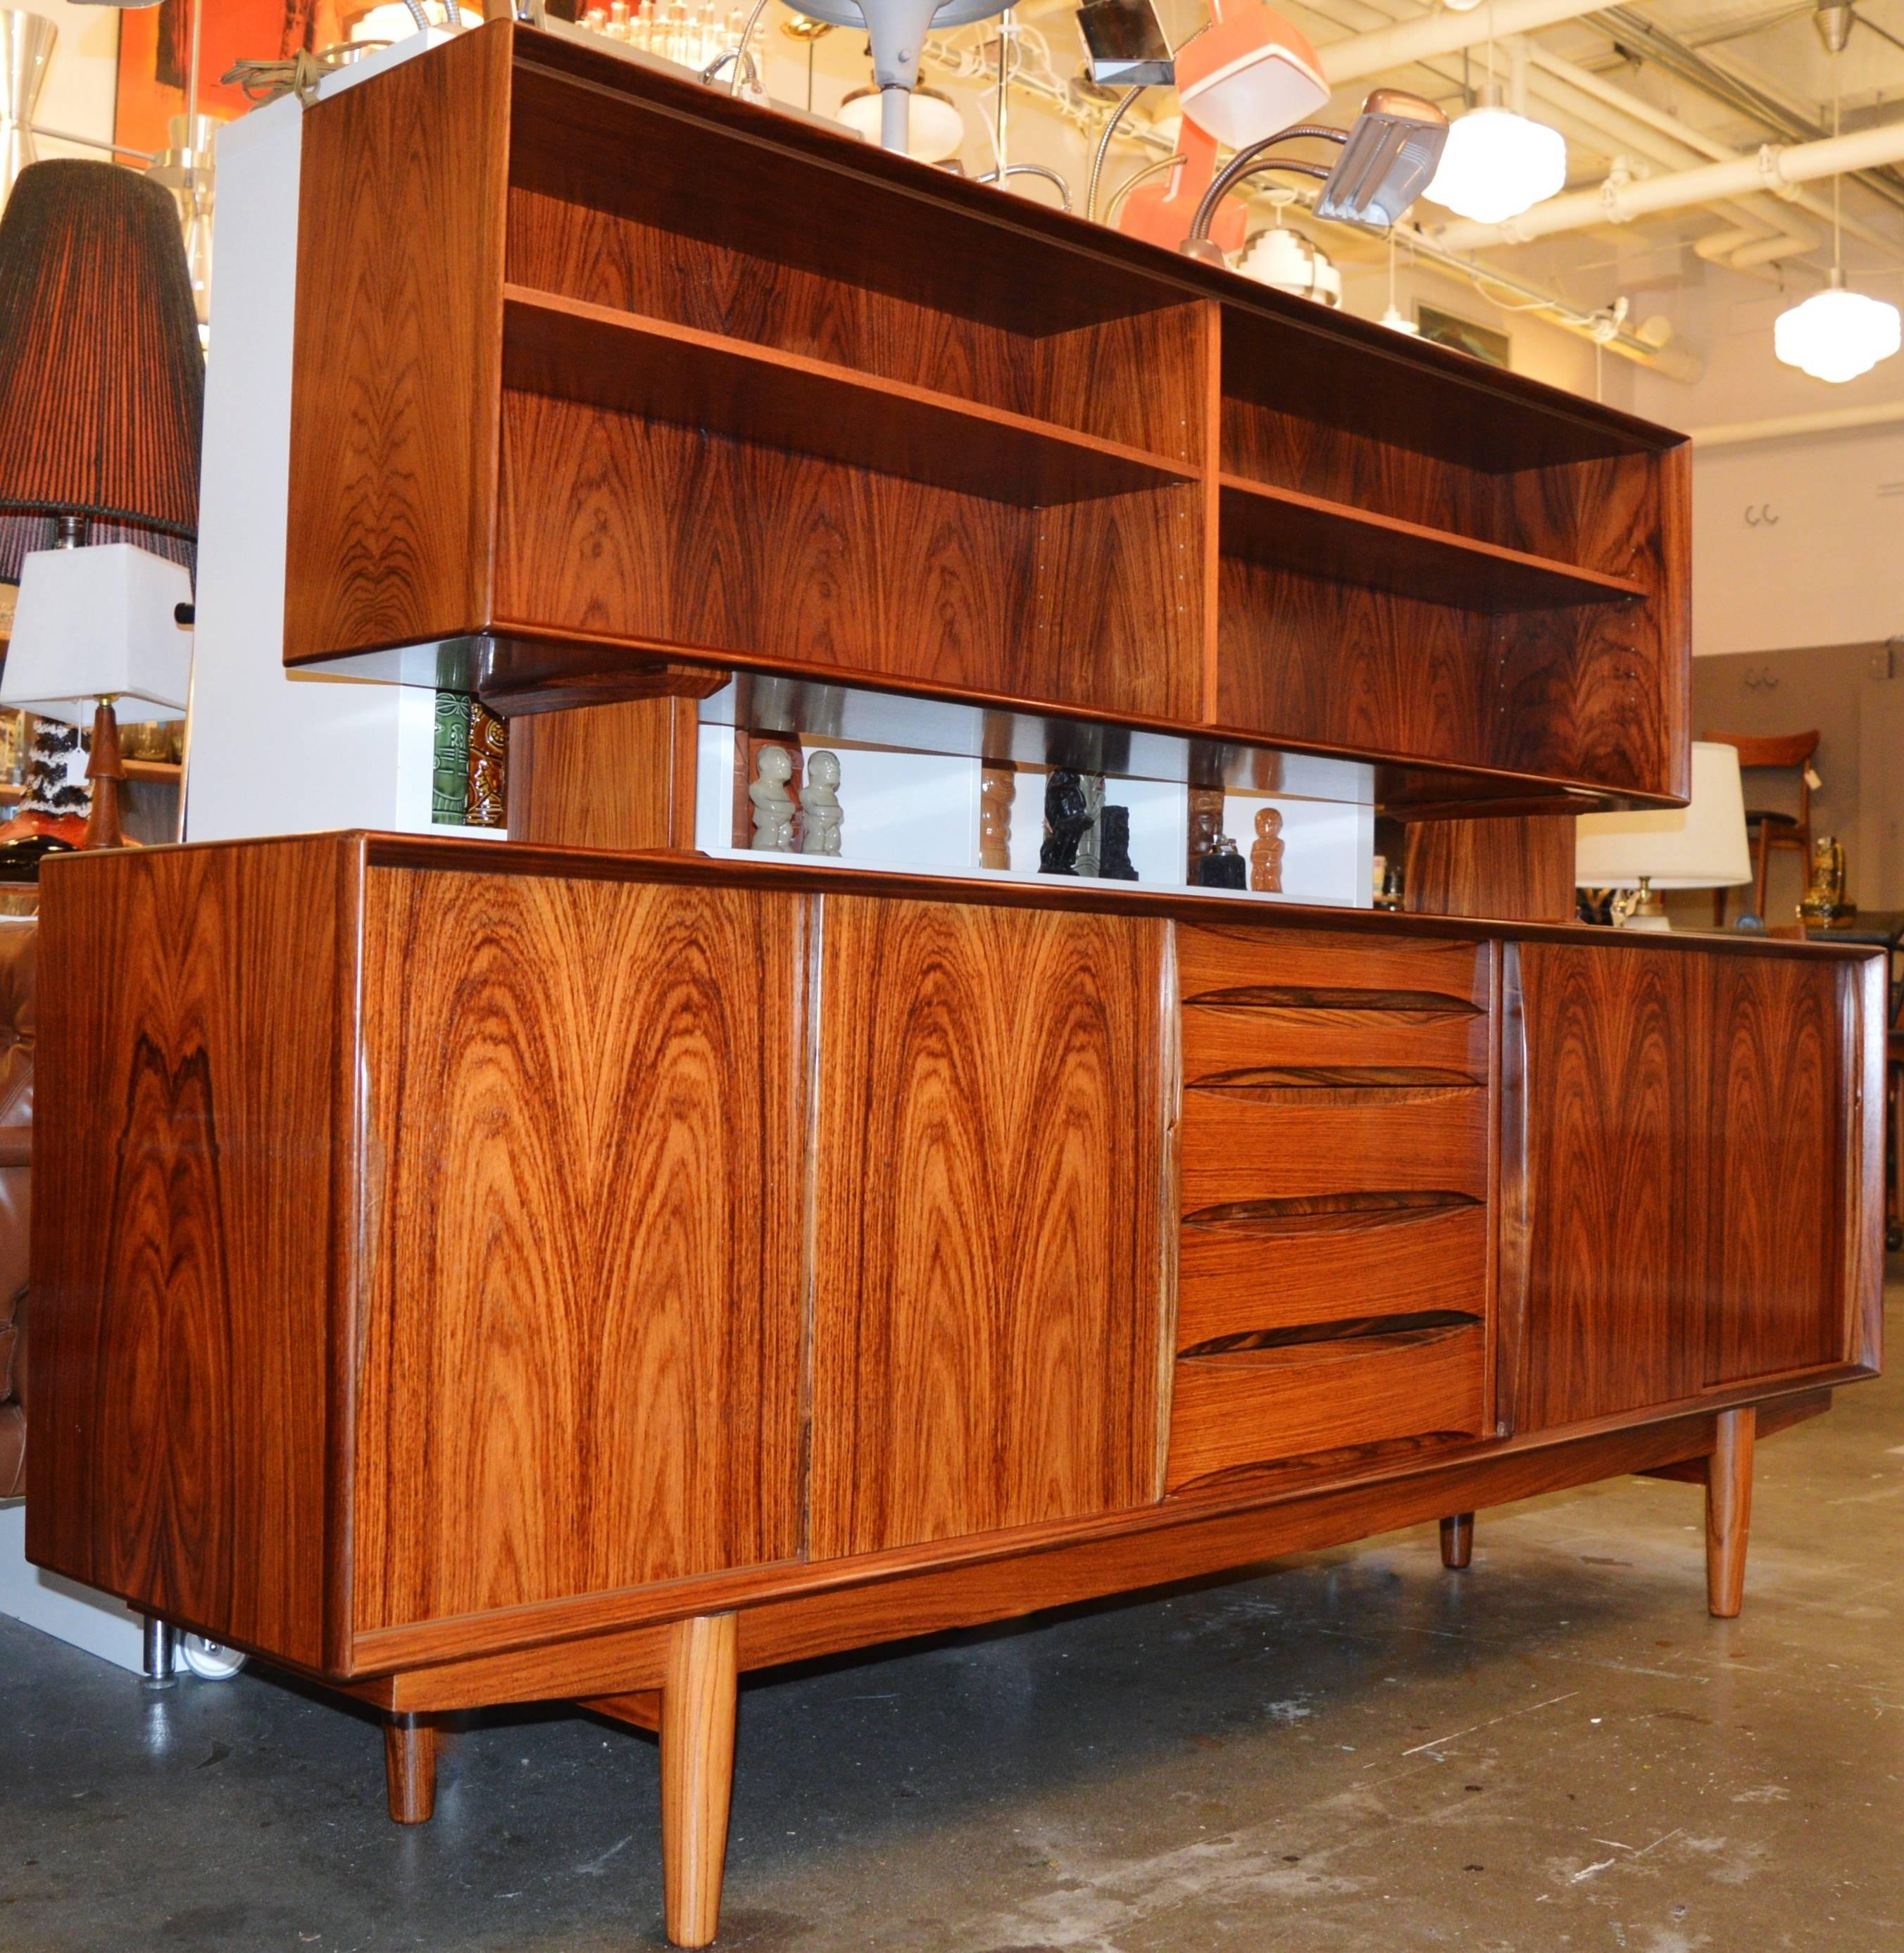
{"x":1386,"y":161}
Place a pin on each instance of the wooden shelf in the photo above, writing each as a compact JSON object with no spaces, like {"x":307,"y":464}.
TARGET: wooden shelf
{"x":1288,"y":530}
{"x":569,"y":350}
{"x":152,"y":769}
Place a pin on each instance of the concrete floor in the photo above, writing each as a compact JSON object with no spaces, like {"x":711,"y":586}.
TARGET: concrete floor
{"x":1355,"y":1750}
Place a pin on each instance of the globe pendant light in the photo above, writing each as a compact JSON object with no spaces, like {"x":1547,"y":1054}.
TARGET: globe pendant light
{"x":1497,"y":164}
{"x":1836,"y":334}
{"x":1498,"y":161}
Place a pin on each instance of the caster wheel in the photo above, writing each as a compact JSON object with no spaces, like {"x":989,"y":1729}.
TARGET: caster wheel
{"x":210,"y":1661}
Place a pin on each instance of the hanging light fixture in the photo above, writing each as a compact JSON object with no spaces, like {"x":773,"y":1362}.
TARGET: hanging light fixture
{"x":1836,"y":334}
{"x":1499,"y":161}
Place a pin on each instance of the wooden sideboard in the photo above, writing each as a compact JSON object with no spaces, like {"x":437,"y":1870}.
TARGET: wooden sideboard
{"x":468,"y":1274}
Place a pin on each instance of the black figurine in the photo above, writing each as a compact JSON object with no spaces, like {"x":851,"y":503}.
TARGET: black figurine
{"x":1067,"y":815}
{"x":1114,"y":845}
{"x":1223,"y":867}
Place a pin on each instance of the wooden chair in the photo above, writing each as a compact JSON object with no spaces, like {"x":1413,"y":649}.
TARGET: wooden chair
{"x":1765,"y":829}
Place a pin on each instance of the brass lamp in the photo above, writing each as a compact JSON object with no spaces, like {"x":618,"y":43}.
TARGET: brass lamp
{"x":1701,"y":845}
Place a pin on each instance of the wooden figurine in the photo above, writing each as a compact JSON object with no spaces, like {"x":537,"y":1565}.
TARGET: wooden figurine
{"x":1265,"y":854}
{"x":819,"y":802}
{"x":773,"y":804}
{"x":1114,"y":863}
{"x":1067,"y":815}
{"x":997,"y":788}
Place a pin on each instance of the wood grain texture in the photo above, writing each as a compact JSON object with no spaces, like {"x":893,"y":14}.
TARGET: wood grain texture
{"x":1270,"y":1270}
{"x":1263,"y":1405}
{"x":1774,"y":1293}
{"x":605,"y":776}
{"x":1614,"y":1107}
{"x":1122,"y":378}
{"x":193,"y":1085}
{"x":698,"y":1700}
{"x":1304,"y":661}
{"x":988,"y":1230}
{"x":1284,"y":529}
{"x":1235,"y":1150}
{"x":1513,"y":868}
{"x":396,"y":369}
{"x":601,"y":357}
{"x":581,"y":1356}
{"x":1728,"y":1512}
{"x":1230,"y":1523}
{"x":410,"y":1767}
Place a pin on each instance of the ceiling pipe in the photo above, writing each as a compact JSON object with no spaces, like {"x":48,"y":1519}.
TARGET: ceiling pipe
{"x":1788,"y":427}
{"x":1773,"y":169}
{"x":1442,"y":33}
{"x":1637,"y":38}
{"x":1680,"y":132}
{"x":1676,"y":130}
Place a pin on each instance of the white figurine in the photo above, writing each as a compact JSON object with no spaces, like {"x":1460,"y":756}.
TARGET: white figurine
{"x":773,"y":804}
{"x":820,"y":802}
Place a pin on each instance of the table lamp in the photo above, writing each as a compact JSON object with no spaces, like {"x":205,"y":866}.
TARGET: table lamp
{"x":94,"y":626}
{"x":101,"y":394}
{"x":1701,"y":845}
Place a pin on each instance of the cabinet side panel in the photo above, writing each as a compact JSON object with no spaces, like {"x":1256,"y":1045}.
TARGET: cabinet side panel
{"x":184,"y":1240}
{"x":399,"y":353}
{"x":1601,"y":692}
{"x":580,"y":1366}
{"x":1775,"y":1299}
{"x":988,"y":1221}
{"x":1612,"y":1071}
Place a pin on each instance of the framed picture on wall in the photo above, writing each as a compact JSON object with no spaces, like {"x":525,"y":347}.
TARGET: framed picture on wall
{"x":1465,"y":335}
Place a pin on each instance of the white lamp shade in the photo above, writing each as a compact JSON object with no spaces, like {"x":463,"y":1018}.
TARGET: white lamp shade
{"x":1702,"y":846}
{"x":1496,"y":163}
{"x":1836,"y":334}
{"x":92,"y":623}
{"x":935,"y":132}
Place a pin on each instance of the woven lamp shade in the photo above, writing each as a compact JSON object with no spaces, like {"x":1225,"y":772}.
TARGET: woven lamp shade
{"x":102,"y":379}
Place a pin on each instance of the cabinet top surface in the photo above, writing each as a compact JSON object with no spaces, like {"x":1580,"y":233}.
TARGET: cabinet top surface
{"x":814,"y":176}
{"x":794,"y":875}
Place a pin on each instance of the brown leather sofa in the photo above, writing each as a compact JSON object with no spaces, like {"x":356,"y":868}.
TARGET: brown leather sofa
{"x":17,"y":934}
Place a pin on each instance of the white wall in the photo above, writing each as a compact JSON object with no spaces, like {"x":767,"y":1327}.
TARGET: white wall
{"x":1829,"y":570}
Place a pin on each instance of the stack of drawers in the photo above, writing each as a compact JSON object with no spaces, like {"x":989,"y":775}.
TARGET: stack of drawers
{"x":1335,"y":1167}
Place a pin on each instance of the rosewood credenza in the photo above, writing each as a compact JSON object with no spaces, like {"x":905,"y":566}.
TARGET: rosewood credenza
{"x":467,"y":1274}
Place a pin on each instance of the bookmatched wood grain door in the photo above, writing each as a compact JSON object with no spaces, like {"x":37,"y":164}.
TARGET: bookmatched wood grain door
{"x":990,"y":1249}
{"x":580,"y":1365}
{"x":1682,"y":1171}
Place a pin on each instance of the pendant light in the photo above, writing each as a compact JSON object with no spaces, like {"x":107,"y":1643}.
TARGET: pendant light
{"x":1836,"y":334}
{"x":1498,"y":161}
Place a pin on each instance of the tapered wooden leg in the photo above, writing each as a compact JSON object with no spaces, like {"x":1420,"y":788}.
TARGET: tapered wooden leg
{"x":409,"y":1768}
{"x":697,"y":1703}
{"x":1457,"y":1540}
{"x":1728,"y":1512}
